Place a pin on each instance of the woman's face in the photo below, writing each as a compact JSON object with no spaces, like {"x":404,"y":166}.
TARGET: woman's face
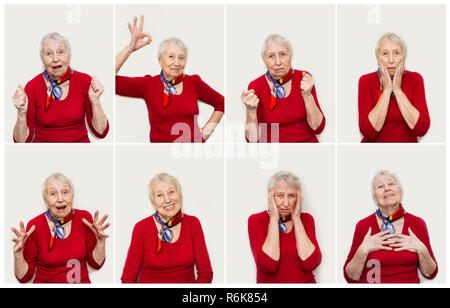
{"x":285,"y":196}
{"x":277,"y":59}
{"x":390,"y":54}
{"x":166,"y":199}
{"x":55,"y":58}
{"x":173,"y":61}
{"x":58,"y":198}
{"x":387,"y":191}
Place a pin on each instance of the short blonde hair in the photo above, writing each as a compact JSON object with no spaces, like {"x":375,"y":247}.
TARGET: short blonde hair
{"x":287,"y":176}
{"x":394,"y":38}
{"x":166,"y":178}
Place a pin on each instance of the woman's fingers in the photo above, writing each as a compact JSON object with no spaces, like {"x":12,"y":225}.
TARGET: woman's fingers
{"x":141,"y":23}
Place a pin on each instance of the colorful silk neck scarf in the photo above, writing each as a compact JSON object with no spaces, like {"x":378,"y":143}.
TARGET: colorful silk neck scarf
{"x":166,"y":235}
{"x":387,"y":221}
{"x":55,"y":90}
{"x":58,"y":231}
{"x":278,"y":91}
{"x":169,"y":87}
{"x":282,"y":223}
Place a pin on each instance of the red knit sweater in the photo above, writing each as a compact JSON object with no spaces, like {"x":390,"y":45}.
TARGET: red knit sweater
{"x":57,"y":266}
{"x":178,"y":121}
{"x":396,"y":267}
{"x":290,"y":268}
{"x":395,"y":128}
{"x":289,"y":113}
{"x":176,"y":261}
{"x":65,"y":120}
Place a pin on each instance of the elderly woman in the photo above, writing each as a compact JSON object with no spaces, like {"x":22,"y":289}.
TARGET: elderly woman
{"x":282,"y":105}
{"x":56,"y":104}
{"x":283,"y":239}
{"x":171,"y":96}
{"x":169,"y":246}
{"x":391,"y":101}
{"x":389,"y":245}
{"x":57,"y":246}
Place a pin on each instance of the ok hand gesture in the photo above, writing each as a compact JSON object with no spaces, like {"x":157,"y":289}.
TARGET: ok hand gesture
{"x":139,"y":39}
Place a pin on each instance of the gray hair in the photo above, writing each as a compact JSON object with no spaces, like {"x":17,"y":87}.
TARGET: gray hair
{"x":394,"y":38}
{"x":388,"y":173}
{"x":166,"y":178}
{"x":277,"y":39}
{"x":287,"y":176}
{"x":163,"y":46}
{"x":60,"y":177}
{"x":57,"y":37}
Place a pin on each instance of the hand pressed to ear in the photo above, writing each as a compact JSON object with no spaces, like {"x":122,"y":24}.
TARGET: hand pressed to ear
{"x":272,"y":207}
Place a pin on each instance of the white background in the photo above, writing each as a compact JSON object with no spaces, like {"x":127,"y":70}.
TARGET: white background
{"x":204,"y":39}
{"x":309,"y":28}
{"x":422,"y":175}
{"x":90,"y":169}
{"x":421,"y":27}
{"x":91,"y":42}
{"x":247,"y":194}
{"x":201,"y":180}
{"x":349,"y":133}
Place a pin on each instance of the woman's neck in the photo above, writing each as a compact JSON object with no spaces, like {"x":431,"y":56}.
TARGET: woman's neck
{"x":389,"y":210}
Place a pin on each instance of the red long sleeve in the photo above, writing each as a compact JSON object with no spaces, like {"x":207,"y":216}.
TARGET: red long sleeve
{"x":175,"y":263}
{"x":65,"y":120}
{"x":290,"y":268}
{"x":57,"y":266}
{"x":396,"y":267}
{"x":288,"y":119}
{"x":178,"y":121}
{"x":395,"y":128}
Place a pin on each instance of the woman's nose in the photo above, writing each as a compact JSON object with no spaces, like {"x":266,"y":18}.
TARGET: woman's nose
{"x":60,"y":197}
{"x":277,"y":60}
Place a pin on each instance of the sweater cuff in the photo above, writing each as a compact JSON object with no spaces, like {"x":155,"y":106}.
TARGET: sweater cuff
{"x":422,"y":125}
{"x":266,"y":263}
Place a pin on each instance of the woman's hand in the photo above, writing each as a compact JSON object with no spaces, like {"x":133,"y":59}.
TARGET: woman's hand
{"x":272,"y":207}
{"x":98,"y":227}
{"x":20,"y":100}
{"x":21,"y":237}
{"x":379,"y":241}
{"x":250,"y":100}
{"x":409,"y":243}
{"x":385,"y":78}
{"x":139,"y":39}
{"x":95,"y":91}
{"x":298,"y":206}
{"x":397,"y":81}
{"x":307,"y":84}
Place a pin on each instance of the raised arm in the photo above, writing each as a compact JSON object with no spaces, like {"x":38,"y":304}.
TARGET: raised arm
{"x":20,"y":100}
{"x":21,"y":268}
{"x":314,"y":115}
{"x":251,"y":101}
{"x":138,"y":40}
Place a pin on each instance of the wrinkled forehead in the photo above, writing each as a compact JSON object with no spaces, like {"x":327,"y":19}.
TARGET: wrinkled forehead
{"x":160,"y":185}
{"x":273,"y":46}
{"x":56,"y":184}
{"x":51,"y":43}
{"x":283,"y":186}
{"x":383,"y":178}
{"x":174,"y":48}
{"x":388,"y":44}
